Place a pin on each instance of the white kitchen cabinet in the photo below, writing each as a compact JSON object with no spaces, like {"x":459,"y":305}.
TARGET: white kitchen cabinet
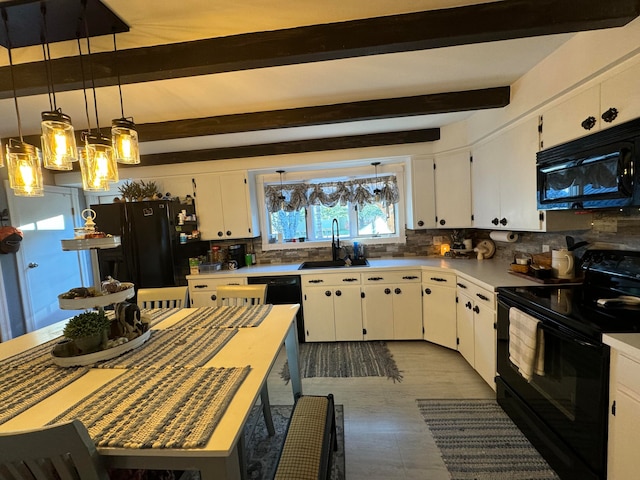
{"x":476,"y":320}
{"x":421,"y":206}
{"x":453,"y":190}
{"x":332,"y":307}
{"x":439,"y":307}
{"x":202,"y":291}
{"x":392,"y":305}
{"x":621,"y":92}
{"x":224,"y":205}
{"x":624,"y":417}
{"x":503,"y":179}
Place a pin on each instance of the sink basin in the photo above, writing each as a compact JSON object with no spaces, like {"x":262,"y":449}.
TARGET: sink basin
{"x":362,"y":262}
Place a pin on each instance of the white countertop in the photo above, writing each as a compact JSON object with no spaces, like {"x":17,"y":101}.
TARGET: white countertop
{"x":626,"y":343}
{"x":488,"y":273}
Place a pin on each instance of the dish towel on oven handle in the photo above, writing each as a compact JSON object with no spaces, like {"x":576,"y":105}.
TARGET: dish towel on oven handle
{"x":526,"y":344}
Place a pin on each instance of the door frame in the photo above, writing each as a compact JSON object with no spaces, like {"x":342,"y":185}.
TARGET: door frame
{"x":21,"y":261}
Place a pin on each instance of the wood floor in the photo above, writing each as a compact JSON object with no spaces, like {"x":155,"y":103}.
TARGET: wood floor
{"x":385,"y":436}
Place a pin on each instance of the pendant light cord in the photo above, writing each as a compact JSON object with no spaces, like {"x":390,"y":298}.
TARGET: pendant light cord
{"x":93,"y":82}
{"x":115,"y":49}
{"x":13,"y":81}
{"x":47,"y":59}
{"x":84,"y":85}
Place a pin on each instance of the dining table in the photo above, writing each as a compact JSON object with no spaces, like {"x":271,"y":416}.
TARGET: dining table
{"x":180,"y":401}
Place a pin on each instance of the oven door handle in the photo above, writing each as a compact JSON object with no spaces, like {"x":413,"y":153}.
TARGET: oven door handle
{"x":558,"y":332}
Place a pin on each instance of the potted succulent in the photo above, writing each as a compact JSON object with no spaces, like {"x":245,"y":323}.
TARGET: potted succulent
{"x":139,"y":190}
{"x":88,"y":330}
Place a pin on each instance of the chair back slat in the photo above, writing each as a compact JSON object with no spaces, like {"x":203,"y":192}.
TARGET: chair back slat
{"x":241,"y":295}
{"x":163,"y":297}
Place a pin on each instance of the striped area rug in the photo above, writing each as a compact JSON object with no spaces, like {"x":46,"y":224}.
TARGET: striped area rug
{"x":478,"y":441}
{"x":345,"y":359}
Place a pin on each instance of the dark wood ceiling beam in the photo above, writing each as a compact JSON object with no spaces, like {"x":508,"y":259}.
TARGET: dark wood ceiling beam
{"x":502,"y":20}
{"x":298,"y":146}
{"x":328,"y":114}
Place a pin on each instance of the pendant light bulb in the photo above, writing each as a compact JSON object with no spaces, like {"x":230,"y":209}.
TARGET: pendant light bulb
{"x":100,"y":165}
{"x":58,"y":141}
{"x":25,"y":172}
{"x":124,"y":140}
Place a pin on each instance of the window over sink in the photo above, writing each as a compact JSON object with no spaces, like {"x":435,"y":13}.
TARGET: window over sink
{"x":300,"y":207}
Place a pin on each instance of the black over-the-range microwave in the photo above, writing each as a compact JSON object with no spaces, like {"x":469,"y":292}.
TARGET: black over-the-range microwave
{"x":597,"y":171}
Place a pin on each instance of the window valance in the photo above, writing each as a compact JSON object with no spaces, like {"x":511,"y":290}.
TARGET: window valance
{"x":294,"y":196}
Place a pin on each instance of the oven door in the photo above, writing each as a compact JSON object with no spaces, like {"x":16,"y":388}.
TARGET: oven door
{"x":570,"y":397}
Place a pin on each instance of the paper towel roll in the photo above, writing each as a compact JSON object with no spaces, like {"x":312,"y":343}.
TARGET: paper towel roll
{"x":499,"y":236}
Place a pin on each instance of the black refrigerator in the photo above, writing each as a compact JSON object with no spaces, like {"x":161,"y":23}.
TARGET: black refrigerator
{"x":150,"y":254}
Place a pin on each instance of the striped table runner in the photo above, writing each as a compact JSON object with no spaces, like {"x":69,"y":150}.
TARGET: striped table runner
{"x":39,"y":356}
{"x":21,"y":389}
{"x":164,"y":408}
{"x":174,"y":348}
{"x":225,"y":317}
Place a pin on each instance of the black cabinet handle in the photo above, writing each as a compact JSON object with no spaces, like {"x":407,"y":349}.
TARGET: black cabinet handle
{"x":476,"y":309}
{"x":214,"y":297}
{"x":420,"y":223}
{"x":338,"y":293}
{"x":410,"y":277}
{"x":427,"y":291}
{"x":397,"y":291}
{"x":610,"y":115}
{"x":387,"y":291}
{"x":443,"y":222}
{"x":228,"y":232}
{"x":200,"y":286}
{"x":482,"y":297}
{"x":438,"y":279}
{"x":328,"y":293}
{"x":468,"y":305}
{"x":316,"y":281}
{"x":461,"y":285}
{"x":588,"y":123}
{"x":503,"y":221}
{"x":375,"y":279}
{"x":349,"y":279}
{"x":495,"y":221}
{"x":220,"y":234}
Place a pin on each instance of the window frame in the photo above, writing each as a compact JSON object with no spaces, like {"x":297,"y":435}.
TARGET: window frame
{"x":337,"y":174}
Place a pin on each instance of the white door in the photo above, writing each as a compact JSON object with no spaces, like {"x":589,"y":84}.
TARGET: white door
{"x":44,"y":269}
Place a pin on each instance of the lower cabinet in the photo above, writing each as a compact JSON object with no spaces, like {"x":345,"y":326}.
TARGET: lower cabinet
{"x":332,"y":307}
{"x":439,"y":307}
{"x":392,"y":305}
{"x":202,"y":292}
{"x":476,"y":323}
{"x":624,"y":417}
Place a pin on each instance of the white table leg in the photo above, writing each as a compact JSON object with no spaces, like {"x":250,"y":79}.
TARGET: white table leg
{"x":291,"y":345}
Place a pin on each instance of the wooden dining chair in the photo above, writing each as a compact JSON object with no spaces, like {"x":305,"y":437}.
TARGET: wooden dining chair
{"x":64,"y":451}
{"x":241,"y":295}
{"x":247,"y":295}
{"x":163,"y":297}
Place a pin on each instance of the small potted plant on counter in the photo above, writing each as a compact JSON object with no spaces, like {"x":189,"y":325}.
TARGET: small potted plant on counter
{"x":88,"y":330}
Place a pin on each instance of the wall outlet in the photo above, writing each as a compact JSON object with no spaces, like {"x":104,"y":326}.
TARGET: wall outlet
{"x":545,"y":248}
{"x":437,"y":240}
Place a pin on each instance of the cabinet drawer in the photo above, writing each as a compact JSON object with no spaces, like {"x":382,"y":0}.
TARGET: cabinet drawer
{"x":628,"y":373}
{"x":478,"y":294}
{"x":438,"y":277}
{"x":395,"y":277}
{"x":206,"y":284}
{"x":343,"y":278}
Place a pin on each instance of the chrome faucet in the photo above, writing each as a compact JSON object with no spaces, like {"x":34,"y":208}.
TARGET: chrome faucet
{"x":335,"y":239}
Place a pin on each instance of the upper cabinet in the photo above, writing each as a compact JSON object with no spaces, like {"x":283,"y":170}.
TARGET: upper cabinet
{"x":421,"y":207}
{"x":609,"y":103}
{"x":224,"y":206}
{"x":503,"y":179}
{"x":453,"y":190}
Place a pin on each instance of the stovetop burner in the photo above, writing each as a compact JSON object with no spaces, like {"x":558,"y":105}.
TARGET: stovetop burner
{"x":608,"y":301}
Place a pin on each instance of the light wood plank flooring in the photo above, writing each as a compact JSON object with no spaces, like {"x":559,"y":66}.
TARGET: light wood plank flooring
{"x":385,"y":436}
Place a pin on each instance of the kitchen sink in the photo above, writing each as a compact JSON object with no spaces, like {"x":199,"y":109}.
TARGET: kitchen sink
{"x":361,"y":262}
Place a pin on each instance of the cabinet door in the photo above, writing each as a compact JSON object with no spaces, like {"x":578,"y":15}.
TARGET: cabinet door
{"x":626,"y":436}
{"x":621,"y":92}
{"x":485,"y":183}
{"x":234,"y":192}
{"x":421,"y":208}
{"x":206,"y":298}
{"x":464,"y":321}
{"x":484,"y":351}
{"x":209,"y":207}
{"x":439,"y":315}
{"x":318,"y":314}
{"x":563,"y":122}
{"x":377,"y":310}
{"x":347,"y":307}
{"x":407,"y":312}
{"x":453,"y":190}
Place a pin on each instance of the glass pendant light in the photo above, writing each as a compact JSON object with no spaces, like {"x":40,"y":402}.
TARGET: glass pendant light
{"x":124,"y":136}
{"x":23,"y":161}
{"x":58,"y":136}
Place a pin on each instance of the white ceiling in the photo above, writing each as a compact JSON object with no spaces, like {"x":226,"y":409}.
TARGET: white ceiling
{"x":155,"y":22}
